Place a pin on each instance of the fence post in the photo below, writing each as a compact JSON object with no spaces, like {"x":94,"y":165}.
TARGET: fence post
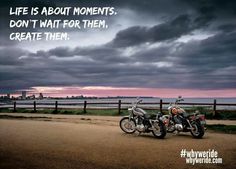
{"x":35,"y":106}
{"x":161,"y":105}
{"x":214,"y":108}
{"x":119,"y":107}
{"x":85,"y":106}
{"x":14,"y":106}
{"x":56,"y":106}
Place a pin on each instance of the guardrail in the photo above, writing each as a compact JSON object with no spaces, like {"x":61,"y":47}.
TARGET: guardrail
{"x":118,"y":105}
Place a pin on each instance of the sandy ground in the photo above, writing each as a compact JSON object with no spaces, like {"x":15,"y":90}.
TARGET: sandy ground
{"x":108,"y":120}
{"x":63,"y":142}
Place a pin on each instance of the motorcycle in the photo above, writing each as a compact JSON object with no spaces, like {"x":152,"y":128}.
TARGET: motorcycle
{"x":178,"y":120}
{"x":139,"y":120}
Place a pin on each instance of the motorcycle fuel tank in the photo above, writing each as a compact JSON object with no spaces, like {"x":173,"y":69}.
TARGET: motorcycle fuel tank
{"x":139,"y":112}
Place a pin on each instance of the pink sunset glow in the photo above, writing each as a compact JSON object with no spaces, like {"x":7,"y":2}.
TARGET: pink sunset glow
{"x":101,"y":91}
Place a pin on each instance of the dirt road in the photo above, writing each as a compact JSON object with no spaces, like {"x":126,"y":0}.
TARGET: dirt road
{"x":42,"y":144}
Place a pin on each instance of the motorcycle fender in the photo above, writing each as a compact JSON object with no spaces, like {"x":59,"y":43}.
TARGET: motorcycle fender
{"x":202,"y":122}
{"x":129,"y":117}
{"x":197,"y":120}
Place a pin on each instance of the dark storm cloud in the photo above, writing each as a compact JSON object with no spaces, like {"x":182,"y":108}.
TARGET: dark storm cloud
{"x":153,"y":9}
{"x":206,"y":64}
{"x":202,"y":11}
{"x":211,"y":62}
{"x":214,"y":7}
{"x":137,"y":35}
{"x":10,"y":56}
{"x":5,"y":17}
{"x":139,"y":56}
{"x":95,"y":53}
{"x":60,"y":52}
{"x":214,"y":52}
{"x":230,"y":27}
{"x":219,"y":12}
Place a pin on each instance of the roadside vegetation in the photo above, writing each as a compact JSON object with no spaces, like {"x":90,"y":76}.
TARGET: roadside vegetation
{"x":221,"y":115}
{"x":231,"y":129}
{"x":207,"y":111}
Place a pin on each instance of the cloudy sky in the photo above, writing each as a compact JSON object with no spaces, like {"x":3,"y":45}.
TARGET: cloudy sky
{"x":159,"y":48}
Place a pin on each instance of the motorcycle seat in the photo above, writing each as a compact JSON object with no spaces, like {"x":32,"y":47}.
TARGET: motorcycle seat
{"x":150,"y":116}
{"x":190,"y":114}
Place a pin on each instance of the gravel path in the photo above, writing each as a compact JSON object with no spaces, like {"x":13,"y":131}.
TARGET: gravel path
{"x":82,"y":143}
{"x":108,"y":120}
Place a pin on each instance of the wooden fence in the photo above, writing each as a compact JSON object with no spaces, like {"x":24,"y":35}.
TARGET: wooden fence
{"x":84,"y":105}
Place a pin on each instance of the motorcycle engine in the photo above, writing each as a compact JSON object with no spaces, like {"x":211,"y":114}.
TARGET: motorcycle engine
{"x":179,"y":127}
{"x":140,"y":128}
{"x":177,"y":119}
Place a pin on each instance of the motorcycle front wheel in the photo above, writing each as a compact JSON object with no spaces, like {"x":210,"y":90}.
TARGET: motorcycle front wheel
{"x":159,"y":130}
{"x":127,"y":125}
{"x":198,"y":130}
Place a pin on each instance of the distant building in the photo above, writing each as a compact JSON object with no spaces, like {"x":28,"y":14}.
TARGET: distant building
{"x":23,"y":95}
{"x":40,"y":95}
{"x":81,"y":96}
{"x":8,"y":96}
{"x":31,"y":97}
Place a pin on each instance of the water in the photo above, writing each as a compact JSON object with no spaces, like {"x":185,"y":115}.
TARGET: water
{"x":78,"y":103}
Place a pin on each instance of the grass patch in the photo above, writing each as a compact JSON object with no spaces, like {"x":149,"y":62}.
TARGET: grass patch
{"x":101,"y":112}
{"x":6,"y":110}
{"x":231,"y":129}
{"x":221,"y":114}
{"x":225,"y":115}
{"x":106,"y":112}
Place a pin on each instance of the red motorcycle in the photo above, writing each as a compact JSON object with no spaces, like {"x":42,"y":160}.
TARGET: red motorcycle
{"x":178,"y":120}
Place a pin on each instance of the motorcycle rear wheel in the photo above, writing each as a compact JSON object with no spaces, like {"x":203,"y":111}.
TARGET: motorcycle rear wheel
{"x":198,"y":130}
{"x":127,"y":125}
{"x":159,"y":130}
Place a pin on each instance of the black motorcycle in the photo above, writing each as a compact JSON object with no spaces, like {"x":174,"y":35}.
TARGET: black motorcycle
{"x":140,"y":121}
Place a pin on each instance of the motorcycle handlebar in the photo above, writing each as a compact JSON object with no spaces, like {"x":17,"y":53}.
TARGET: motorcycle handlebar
{"x":136,"y":103}
{"x":179,"y":100}
{"x":139,"y":101}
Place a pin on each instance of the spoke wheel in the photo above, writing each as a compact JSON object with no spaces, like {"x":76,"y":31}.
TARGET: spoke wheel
{"x":159,"y":130}
{"x":198,"y":129}
{"x":128,"y":126}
